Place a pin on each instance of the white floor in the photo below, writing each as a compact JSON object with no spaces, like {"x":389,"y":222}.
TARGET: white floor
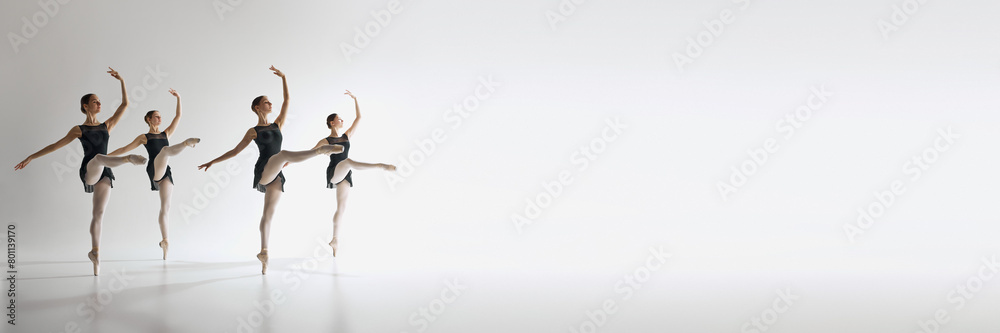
{"x":318,"y":294}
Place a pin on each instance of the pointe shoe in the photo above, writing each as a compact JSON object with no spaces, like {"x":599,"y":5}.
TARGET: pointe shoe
{"x":164,"y":245}
{"x":388,"y":167}
{"x":94,"y":259}
{"x":263,"y":261}
{"x":135,"y":159}
{"x":330,"y":149}
{"x":333,"y":245}
{"x":191,"y":142}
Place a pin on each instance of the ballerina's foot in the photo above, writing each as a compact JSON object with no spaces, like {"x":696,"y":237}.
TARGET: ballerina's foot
{"x":333,"y":246}
{"x":263,"y":261}
{"x":94,"y":259}
{"x":388,"y":167}
{"x":135,"y":159}
{"x":330,"y":149}
{"x":164,"y":245}
{"x":191,"y":142}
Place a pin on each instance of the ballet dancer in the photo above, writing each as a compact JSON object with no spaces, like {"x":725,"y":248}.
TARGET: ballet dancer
{"x":159,"y":149}
{"x":267,"y":170}
{"x":341,"y":166}
{"x":95,"y":170}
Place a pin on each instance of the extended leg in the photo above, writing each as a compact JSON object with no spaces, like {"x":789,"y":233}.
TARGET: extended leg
{"x":160,"y":162}
{"x":166,"y":188}
{"x":277,"y":161}
{"x":102,"y":193}
{"x":96,"y":165}
{"x":346,"y":165}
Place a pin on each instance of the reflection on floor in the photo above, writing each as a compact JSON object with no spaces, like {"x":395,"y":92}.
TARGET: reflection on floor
{"x":320,"y":294}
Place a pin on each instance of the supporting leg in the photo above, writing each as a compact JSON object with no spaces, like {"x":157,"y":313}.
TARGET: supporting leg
{"x":271,"y":197}
{"x":343,"y":189}
{"x":338,"y":216}
{"x":102,"y":193}
{"x":166,"y":189}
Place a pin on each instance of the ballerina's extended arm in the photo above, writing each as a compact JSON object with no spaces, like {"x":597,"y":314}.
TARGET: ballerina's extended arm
{"x":251,"y":134}
{"x":177,"y":115}
{"x":284,"y":104}
{"x":139,"y":140}
{"x":72,"y":135}
{"x":111,"y":122}
{"x":357,"y":116}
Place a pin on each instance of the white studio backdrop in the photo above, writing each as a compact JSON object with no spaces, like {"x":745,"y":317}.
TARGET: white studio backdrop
{"x":742,"y":136}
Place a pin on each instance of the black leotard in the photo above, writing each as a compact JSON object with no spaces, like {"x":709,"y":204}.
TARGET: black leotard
{"x":95,"y":141}
{"x":336,"y":158}
{"x":155,"y":142}
{"x":269,"y":143}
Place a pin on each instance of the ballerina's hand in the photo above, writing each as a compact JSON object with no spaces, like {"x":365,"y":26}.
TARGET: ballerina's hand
{"x":174,"y":92}
{"x":114,"y":73}
{"x":348,"y":93}
{"x":277,"y":72}
{"x":206,"y":166}
{"x":23,"y":164}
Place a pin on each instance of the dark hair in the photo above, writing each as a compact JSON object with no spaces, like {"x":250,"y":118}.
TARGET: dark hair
{"x":85,"y":100}
{"x":329,"y":119}
{"x":256,"y":102}
{"x":148,"y":115}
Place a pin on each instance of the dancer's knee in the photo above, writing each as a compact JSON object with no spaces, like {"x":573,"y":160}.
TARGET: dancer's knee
{"x":266,"y":217}
{"x":98,"y":212}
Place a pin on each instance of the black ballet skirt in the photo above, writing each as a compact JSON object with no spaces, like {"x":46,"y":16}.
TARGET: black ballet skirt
{"x":268,"y":141}
{"x":336,"y":158}
{"x":155,"y":142}
{"x":95,"y":141}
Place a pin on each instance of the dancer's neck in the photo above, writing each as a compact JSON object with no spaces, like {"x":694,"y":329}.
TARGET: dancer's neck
{"x":91,"y":120}
{"x":262,"y":120}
